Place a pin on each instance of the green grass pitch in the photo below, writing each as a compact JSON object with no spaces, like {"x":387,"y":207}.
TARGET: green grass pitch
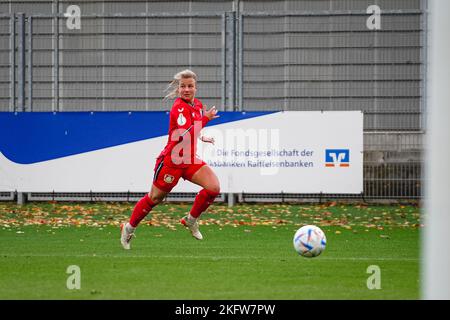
{"x":247,"y":252}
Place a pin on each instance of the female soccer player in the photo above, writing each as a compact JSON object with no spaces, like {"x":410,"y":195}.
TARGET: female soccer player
{"x":178,"y":159}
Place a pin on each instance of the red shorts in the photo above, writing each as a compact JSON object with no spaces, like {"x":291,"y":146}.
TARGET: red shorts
{"x":165,"y":177}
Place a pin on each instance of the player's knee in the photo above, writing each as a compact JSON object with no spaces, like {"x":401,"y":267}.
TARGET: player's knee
{"x":214,"y":188}
{"x":156,"y":198}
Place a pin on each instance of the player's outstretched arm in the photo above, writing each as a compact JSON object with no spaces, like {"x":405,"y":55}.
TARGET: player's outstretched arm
{"x":208,"y":115}
{"x":211,"y":113}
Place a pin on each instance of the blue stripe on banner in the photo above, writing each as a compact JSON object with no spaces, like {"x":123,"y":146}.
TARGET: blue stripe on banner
{"x":30,"y":137}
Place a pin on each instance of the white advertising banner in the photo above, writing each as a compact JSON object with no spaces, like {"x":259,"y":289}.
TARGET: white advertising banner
{"x":273,"y":152}
{"x":290,"y":152}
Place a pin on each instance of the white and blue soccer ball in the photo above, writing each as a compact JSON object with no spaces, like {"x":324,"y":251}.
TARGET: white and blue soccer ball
{"x":309,"y":241}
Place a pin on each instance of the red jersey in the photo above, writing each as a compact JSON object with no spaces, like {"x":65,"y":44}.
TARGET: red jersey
{"x":186,"y":121}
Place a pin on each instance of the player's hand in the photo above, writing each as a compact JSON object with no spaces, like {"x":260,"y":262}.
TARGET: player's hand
{"x":207,"y":139}
{"x":211,"y":113}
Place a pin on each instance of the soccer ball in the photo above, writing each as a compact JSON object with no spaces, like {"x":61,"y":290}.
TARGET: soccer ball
{"x":309,"y":241}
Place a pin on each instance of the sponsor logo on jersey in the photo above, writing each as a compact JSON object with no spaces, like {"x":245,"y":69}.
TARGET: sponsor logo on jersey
{"x":181,"y":120}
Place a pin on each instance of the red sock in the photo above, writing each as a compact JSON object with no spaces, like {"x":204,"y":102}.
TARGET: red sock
{"x":202,"y":201}
{"x":142,"y":208}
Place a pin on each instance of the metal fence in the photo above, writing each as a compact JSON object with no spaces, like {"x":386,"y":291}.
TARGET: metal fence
{"x":283,"y":60}
{"x":115,"y":62}
{"x":323,"y":61}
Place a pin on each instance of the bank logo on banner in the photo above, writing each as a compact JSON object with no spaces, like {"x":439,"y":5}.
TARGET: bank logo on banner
{"x":337,"y":157}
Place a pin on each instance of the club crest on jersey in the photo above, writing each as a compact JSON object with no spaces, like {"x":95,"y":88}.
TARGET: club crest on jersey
{"x":181,"y":120}
{"x":168,"y":178}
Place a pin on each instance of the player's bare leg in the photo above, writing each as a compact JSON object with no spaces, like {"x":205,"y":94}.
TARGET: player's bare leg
{"x":207,"y":179}
{"x":142,"y":208}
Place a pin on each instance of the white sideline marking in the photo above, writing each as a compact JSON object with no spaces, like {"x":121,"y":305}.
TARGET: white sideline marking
{"x":205,"y":257}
